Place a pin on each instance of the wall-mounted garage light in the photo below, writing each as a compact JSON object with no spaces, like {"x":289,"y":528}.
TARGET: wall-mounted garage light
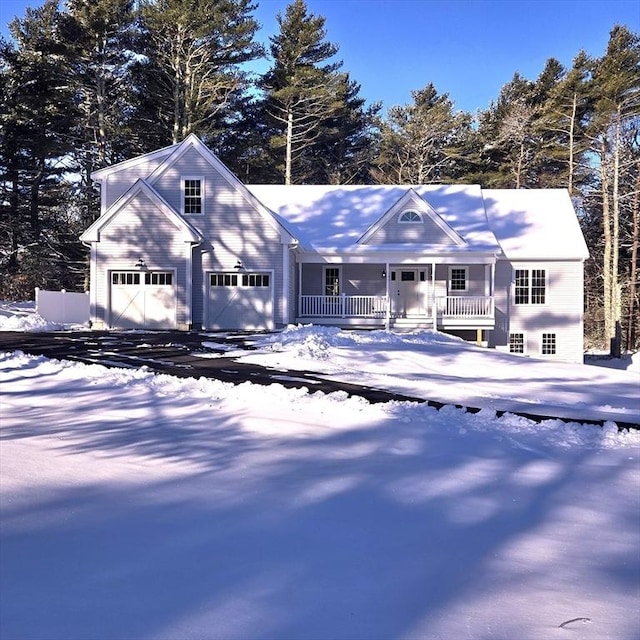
{"x":239,"y":266}
{"x":384,"y":273}
{"x":140,"y":264}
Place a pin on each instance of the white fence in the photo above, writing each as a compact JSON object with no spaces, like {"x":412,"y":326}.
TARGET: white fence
{"x":62,"y":307}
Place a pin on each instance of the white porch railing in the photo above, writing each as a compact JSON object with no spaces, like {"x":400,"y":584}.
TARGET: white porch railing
{"x":465,"y":306}
{"x":343,"y":306}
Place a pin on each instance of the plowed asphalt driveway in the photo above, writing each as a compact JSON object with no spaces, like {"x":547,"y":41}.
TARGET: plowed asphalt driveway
{"x":176,"y":353}
{"x":181,"y":354}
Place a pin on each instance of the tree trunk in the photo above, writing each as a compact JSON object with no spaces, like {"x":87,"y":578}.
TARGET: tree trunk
{"x":287,"y":168}
{"x":572,"y":125}
{"x":632,"y":304}
{"x":609,"y":327}
{"x":616,"y":309}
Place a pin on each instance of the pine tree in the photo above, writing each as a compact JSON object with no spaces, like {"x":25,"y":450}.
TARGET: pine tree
{"x":508,"y":138}
{"x":615,"y":88}
{"x":38,"y":117}
{"x":421,"y":142}
{"x":302,"y":89}
{"x":346,"y":147}
{"x":99,"y":36}
{"x":192,"y":72}
{"x":563,"y":118}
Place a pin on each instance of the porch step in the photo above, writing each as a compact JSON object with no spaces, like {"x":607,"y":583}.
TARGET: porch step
{"x":410,"y":324}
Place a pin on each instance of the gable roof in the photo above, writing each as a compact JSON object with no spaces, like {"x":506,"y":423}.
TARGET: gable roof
{"x":535,"y":224}
{"x":100,"y":174}
{"x":189,"y":233}
{"x":193,"y":142}
{"x":411,"y":200}
{"x":164,"y":159}
{"x":338,"y":218}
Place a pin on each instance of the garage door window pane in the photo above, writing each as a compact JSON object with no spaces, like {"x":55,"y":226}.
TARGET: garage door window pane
{"x":223,"y":280}
{"x":158,"y":278}
{"x":255,"y":280}
{"x":124,"y":278}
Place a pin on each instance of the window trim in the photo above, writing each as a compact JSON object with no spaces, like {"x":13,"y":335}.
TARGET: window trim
{"x":325,"y":268}
{"x":524,"y":342}
{"x":551,"y":344}
{"x":183,"y":194}
{"x":530,"y":287}
{"x":417,"y":220}
{"x":450,"y":288}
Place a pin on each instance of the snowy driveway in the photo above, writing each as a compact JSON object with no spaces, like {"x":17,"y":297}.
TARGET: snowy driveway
{"x":181,"y":354}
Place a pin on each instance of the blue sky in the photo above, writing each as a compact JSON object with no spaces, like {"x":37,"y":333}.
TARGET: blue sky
{"x":466,"y":48}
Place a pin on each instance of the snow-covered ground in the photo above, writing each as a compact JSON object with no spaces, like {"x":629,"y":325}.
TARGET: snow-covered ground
{"x":136,"y":505}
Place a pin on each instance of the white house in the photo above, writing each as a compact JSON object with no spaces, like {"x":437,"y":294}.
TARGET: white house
{"x":181,"y":243}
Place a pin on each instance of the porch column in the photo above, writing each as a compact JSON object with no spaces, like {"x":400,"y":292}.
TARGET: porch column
{"x":286,"y":257}
{"x":434,"y":309}
{"x":387,"y":315}
{"x":299,"y":311}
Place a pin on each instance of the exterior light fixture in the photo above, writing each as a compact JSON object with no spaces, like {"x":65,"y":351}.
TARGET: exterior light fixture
{"x":140,"y":264}
{"x":239,"y":266}
{"x":384,"y":273}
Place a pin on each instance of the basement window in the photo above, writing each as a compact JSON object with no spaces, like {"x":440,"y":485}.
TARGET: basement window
{"x":516,"y":343}
{"x":548,"y":344}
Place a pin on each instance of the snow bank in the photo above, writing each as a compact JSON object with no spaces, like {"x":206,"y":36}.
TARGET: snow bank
{"x":143,"y":506}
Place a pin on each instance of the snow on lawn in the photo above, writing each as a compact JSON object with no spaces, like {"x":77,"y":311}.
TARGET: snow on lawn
{"x":136,"y":505}
{"x":443,"y":368}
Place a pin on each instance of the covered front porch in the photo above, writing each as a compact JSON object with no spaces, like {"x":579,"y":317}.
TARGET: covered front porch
{"x":443,"y":296}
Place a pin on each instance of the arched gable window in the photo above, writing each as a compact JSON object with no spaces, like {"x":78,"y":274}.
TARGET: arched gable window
{"x":410,"y":216}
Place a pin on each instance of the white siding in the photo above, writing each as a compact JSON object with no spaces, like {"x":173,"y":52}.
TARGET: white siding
{"x":233,"y":228}
{"x":475,"y":285}
{"x":561,"y":314}
{"x":119,"y":182}
{"x":140,"y":231}
{"x":425,"y":232}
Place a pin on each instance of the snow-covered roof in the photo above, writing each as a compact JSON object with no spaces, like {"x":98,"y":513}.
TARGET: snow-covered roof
{"x":535,"y":224}
{"x":328,"y":217}
{"x":523,"y":223}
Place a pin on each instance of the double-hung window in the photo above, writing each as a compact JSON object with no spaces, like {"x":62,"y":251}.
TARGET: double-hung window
{"x":531,"y":286}
{"x":458,"y":277}
{"x":192,"y":196}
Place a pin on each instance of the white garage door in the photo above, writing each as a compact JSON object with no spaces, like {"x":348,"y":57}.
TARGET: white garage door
{"x":239,"y":301}
{"x":142,"y":300}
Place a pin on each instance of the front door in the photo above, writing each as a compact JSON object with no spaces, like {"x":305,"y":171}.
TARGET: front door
{"x":406,"y":293}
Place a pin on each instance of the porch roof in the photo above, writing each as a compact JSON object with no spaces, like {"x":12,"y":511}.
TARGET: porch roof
{"x":332,"y":218}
